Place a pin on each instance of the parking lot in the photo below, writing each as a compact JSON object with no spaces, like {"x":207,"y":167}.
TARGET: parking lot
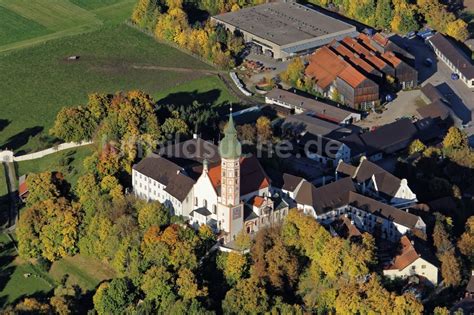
{"x":456,"y":92}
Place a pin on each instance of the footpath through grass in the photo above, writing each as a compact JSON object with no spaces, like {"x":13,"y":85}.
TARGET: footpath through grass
{"x":35,"y":83}
{"x":69,"y":162}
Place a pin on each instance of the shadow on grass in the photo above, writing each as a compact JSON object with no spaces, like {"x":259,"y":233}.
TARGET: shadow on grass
{"x":184,"y":98}
{"x":4,"y":123}
{"x":4,"y":208}
{"x":5,"y":270}
{"x":22,"y":138}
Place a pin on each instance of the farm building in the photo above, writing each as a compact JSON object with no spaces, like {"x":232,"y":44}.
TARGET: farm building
{"x":285,"y":29}
{"x":336,"y":78}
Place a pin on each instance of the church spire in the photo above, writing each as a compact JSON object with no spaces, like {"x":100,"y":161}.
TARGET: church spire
{"x":230,"y":147}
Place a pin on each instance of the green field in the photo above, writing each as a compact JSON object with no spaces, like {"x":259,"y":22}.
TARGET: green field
{"x":86,"y":272}
{"x":35,"y":83}
{"x":24,"y":23}
{"x":207,"y":89}
{"x":69,"y":162}
{"x":13,"y":283}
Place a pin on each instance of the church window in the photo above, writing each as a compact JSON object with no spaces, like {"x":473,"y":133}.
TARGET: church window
{"x":214,"y":209}
{"x":196,"y":201}
{"x":205,"y":203}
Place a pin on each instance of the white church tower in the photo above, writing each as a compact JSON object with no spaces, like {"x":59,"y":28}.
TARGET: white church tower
{"x":230,"y":207}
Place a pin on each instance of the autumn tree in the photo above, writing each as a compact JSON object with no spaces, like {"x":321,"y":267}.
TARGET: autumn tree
{"x":264,"y":129}
{"x":247,"y":133}
{"x":234,"y":265}
{"x":50,"y":229}
{"x":173,"y":127}
{"x":450,"y":268}
{"x":454,"y":139}
{"x":466,"y":242}
{"x":404,"y":18}
{"x":41,"y":187}
{"x":294,"y":71}
{"x":114,"y":297}
{"x":145,"y":13}
{"x":441,"y":236}
{"x":458,"y":29}
{"x":157,"y":283}
{"x":416,"y":146}
{"x":383,"y":14}
{"x":246,"y":297}
{"x":74,"y":124}
{"x":152,"y":213}
{"x":187,"y":285}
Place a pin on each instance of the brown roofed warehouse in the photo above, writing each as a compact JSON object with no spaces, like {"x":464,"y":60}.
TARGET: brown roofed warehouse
{"x":334,"y":75}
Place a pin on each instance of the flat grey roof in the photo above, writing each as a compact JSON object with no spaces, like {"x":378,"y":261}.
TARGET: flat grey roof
{"x":283,"y":23}
{"x":320,"y":109}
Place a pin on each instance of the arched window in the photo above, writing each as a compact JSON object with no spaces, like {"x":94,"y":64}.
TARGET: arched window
{"x":196,"y":201}
{"x":214,"y":209}
{"x":205,"y":203}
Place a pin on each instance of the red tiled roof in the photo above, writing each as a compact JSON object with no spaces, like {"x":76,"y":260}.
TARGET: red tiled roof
{"x":257,"y":201}
{"x":407,"y":256}
{"x":391,"y":58}
{"x":366,"y":40}
{"x":366,"y":53}
{"x":353,"y":57}
{"x":252,"y":176}
{"x":325,"y":65}
{"x":380,"y":39}
{"x":22,"y":189}
{"x":352,"y":76}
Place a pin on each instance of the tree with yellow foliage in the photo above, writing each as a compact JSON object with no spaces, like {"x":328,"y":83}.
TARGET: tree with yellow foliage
{"x":458,"y":29}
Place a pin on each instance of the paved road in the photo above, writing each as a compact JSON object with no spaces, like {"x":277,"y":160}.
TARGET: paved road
{"x":456,"y":92}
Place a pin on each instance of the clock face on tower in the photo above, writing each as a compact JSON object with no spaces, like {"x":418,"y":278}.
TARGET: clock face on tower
{"x":236,"y":213}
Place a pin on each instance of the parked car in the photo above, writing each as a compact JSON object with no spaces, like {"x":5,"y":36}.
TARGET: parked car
{"x":454,"y":76}
{"x":428,"y":62}
{"x":425,"y":34}
{"x":411,"y":35}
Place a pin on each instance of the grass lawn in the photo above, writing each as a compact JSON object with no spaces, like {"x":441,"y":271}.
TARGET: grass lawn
{"x":69,"y":162}
{"x":86,"y":272}
{"x":35,"y":83}
{"x":14,"y":27}
{"x":24,"y":23}
{"x":209,"y":89}
{"x":13,"y":283}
